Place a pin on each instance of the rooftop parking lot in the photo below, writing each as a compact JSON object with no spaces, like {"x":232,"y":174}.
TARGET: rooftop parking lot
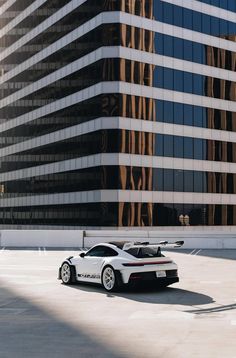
{"x":40,"y":317}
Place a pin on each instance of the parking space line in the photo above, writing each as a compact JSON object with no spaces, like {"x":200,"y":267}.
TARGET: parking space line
{"x":198,"y":252}
{"x":39,"y":249}
{"x":45,"y":251}
{"x":192,"y":252}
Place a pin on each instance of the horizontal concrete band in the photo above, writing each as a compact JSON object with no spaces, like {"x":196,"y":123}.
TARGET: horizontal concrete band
{"x":119,"y":123}
{"x":111,"y":159}
{"x":118,"y":17}
{"x":22,"y":15}
{"x":113,"y":196}
{"x":124,"y":53}
{"x":205,"y":9}
{"x":120,"y":87}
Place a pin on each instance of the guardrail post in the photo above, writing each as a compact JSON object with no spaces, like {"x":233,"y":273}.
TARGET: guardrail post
{"x":83,"y":236}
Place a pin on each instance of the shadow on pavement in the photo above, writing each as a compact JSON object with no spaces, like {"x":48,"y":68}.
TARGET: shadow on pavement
{"x":220,"y":308}
{"x":148,"y":294}
{"x":27,"y":331}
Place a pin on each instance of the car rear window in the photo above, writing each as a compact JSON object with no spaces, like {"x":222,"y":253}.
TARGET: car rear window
{"x":145,"y":252}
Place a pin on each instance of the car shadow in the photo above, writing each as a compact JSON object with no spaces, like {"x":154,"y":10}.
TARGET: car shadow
{"x":217,"y":309}
{"x":150,"y":294}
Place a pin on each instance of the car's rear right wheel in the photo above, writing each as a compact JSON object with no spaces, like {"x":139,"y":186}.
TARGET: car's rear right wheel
{"x":109,"y":279}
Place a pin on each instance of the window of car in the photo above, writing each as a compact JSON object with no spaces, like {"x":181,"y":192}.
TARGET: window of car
{"x":145,"y":252}
{"x":101,"y":251}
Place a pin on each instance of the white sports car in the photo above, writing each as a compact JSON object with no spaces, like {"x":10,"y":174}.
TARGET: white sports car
{"x":118,"y":263}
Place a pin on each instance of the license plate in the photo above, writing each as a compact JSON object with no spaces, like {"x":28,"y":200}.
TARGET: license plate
{"x":160,"y":273}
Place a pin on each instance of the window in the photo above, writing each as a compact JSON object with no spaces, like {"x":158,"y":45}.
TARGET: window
{"x":197,"y":116}
{"x":168,"y":112}
{"x":179,"y":180}
{"x":159,"y":145}
{"x":188,"y":115}
{"x":145,"y":252}
{"x":168,"y":180}
{"x":178,"y":147}
{"x":101,"y":251}
{"x":168,"y":146}
{"x":188,"y":147}
{"x":109,"y":252}
{"x":178,"y":113}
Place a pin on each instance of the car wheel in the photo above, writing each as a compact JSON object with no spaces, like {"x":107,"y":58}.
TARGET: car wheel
{"x":67,"y":274}
{"x":109,"y":279}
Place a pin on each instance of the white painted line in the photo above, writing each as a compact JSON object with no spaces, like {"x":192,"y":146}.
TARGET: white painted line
{"x":197,"y":252}
{"x":45,"y":251}
{"x":191,"y":253}
{"x":39,"y":251}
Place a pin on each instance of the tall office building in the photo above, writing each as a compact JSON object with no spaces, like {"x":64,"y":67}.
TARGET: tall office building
{"x":117,"y":113}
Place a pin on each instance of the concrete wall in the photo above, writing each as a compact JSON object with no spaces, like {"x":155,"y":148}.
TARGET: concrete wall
{"x":41,"y":238}
{"x":202,"y":239}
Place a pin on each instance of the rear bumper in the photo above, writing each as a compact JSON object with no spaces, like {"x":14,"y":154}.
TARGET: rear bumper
{"x":171,"y":277}
{"x":149,"y":273}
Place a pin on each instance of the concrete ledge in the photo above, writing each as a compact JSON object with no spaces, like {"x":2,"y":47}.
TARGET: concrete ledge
{"x":202,"y":239}
{"x":41,"y":238}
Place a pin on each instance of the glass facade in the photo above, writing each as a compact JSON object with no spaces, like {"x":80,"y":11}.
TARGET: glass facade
{"x":94,"y":100}
{"x":123,"y":178}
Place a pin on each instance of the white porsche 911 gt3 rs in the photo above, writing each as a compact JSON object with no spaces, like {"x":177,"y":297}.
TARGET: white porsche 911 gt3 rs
{"x":118,"y":263}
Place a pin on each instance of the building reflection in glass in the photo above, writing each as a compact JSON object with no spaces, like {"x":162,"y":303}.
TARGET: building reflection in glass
{"x":218,"y":119}
{"x":137,"y":214}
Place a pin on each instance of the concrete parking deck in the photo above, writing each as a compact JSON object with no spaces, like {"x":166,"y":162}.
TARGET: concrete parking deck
{"x":40,"y":317}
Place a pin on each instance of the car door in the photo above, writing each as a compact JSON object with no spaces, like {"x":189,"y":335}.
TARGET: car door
{"x":89,"y":267}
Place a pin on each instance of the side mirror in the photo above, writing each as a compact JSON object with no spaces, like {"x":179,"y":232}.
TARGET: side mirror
{"x":82,"y":254}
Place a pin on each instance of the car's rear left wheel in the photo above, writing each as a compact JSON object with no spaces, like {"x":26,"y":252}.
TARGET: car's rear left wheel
{"x":109,"y":279}
{"x":67,"y":274}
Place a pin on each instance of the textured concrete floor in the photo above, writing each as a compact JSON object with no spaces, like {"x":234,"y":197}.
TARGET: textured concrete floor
{"x":40,"y":317}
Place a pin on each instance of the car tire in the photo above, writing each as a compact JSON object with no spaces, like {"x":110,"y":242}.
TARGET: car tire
{"x":67,"y":274}
{"x":111,"y":279}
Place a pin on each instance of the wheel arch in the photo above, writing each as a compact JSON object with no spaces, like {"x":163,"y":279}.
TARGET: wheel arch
{"x":73,"y":269}
{"x":119,"y":277}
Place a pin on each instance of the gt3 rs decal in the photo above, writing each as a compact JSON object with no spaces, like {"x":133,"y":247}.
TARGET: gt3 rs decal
{"x":88,"y":275}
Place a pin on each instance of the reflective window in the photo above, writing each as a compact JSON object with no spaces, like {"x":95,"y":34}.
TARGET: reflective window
{"x":193,"y":20}
{"x":224,"y":4}
{"x":121,"y":141}
{"x":168,"y":180}
{"x":193,"y":51}
{"x":121,"y":177}
{"x":106,"y":214}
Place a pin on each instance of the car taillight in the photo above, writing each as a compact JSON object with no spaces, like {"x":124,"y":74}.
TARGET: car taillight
{"x":133,"y":264}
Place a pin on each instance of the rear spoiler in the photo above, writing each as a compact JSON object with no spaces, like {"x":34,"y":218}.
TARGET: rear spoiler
{"x":129,"y":245}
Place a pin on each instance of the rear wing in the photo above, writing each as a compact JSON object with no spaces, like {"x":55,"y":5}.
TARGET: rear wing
{"x":161,"y":244}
